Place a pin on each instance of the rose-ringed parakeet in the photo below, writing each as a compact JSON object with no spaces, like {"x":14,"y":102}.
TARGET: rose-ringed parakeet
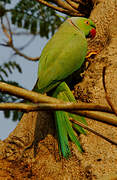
{"x":64,"y":54}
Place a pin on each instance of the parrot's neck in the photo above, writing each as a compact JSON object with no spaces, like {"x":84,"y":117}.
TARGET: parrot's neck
{"x":74,"y":25}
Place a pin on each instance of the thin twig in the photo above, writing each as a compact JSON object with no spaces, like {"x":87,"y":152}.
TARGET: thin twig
{"x":5,"y":30}
{"x":61,"y":7}
{"x":106,"y":94}
{"x":10,"y":41}
{"x":9,"y":27}
{"x":23,"y":33}
{"x":80,"y":2}
{"x":73,"y":4}
{"x":103,"y":117}
{"x":93,"y":131}
{"x":64,"y":5}
{"x":22,"y":54}
{"x":62,"y":10}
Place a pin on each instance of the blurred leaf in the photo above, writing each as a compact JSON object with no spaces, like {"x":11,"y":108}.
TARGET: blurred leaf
{"x":34,"y":26}
{"x":7,"y":113}
{"x":15,"y":115}
{"x":26,"y":23}
{"x":35,"y":17}
{"x":4,"y":72}
{"x":5,"y":69}
{"x":14,"y":17}
{"x":2,"y":10}
{"x":6,"y":1}
{"x":8,"y":67}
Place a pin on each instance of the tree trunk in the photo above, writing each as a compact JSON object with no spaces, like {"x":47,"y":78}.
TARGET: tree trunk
{"x":31,"y":150}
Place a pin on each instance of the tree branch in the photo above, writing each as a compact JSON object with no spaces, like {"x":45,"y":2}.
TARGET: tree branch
{"x":55,"y":104}
{"x":62,"y":10}
{"x":106,"y":94}
{"x":79,"y":2}
{"x":26,"y":94}
{"x":73,"y":4}
{"x":104,"y":117}
{"x":67,"y":106}
{"x":64,"y":5}
{"x":40,"y":98}
{"x":22,"y":54}
{"x":92,"y":111}
{"x":93,"y":131}
{"x":8,"y":34}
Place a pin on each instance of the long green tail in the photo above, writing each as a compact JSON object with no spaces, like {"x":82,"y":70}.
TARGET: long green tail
{"x":63,"y":124}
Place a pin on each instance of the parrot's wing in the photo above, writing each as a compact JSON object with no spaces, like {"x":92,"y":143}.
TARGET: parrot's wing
{"x":62,"y":55}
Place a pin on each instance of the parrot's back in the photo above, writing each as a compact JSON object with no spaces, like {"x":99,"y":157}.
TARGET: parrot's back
{"x":62,"y":55}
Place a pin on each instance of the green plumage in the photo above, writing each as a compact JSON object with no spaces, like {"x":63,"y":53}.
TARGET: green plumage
{"x":63,"y":54}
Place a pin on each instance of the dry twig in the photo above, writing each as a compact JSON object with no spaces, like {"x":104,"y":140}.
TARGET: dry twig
{"x":53,"y":103}
{"x":93,"y":131}
{"x":106,"y":94}
{"x":73,"y":4}
{"x":67,"y":106}
{"x":8,"y":34}
{"x":63,"y":7}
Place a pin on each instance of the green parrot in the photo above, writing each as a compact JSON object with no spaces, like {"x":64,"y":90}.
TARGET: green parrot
{"x":64,"y":53}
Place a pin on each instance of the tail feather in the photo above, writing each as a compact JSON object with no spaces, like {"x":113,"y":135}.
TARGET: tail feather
{"x":62,"y":133}
{"x":64,"y":126}
{"x":68,"y":96}
{"x":81,"y":119}
{"x":71,"y":133}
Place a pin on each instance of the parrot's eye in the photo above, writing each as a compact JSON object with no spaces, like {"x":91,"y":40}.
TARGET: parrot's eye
{"x":87,"y":22}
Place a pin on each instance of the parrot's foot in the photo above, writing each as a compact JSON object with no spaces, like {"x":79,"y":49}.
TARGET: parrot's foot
{"x":91,"y":55}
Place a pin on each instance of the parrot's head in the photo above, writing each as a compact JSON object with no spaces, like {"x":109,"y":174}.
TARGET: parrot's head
{"x":85,"y":25}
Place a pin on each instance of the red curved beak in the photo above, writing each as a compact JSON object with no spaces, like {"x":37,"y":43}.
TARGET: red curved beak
{"x":93,"y":32}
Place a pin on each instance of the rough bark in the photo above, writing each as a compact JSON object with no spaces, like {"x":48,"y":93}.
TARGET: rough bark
{"x":31,"y":151}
